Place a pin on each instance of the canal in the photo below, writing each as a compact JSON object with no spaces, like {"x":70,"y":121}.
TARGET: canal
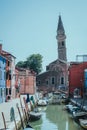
{"x":55,"y":118}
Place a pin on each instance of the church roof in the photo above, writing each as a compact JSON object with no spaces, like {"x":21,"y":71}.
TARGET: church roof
{"x":58,"y":61}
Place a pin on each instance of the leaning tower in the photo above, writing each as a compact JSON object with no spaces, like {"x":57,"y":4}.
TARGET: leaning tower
{"x":61,"y":37}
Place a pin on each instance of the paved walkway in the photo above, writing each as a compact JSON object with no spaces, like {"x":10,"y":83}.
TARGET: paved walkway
{"x":5,"y":108}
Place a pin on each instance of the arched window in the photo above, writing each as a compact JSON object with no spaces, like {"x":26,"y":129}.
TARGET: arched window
{"x":62,"y":43}
{"x":53,"y":80}
{"x":62,"y":80}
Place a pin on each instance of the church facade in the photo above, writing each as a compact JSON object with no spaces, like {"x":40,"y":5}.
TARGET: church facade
{"x":56,"y":74}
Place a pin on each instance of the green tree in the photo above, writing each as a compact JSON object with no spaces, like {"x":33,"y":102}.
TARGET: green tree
{"x":20,"y":64}
{"x":33,"y":62}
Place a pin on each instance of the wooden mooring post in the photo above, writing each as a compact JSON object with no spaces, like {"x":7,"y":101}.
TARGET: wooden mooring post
{"x":4,"y":121}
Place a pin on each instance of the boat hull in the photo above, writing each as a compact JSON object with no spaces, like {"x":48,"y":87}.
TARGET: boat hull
{"x":83,"y":123}
{"x":34,"y":116}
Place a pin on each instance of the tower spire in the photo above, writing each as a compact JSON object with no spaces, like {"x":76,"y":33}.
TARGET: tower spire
{"x":60,"y":28}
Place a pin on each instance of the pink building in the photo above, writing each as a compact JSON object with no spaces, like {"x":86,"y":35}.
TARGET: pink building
{"x":26,"y":81}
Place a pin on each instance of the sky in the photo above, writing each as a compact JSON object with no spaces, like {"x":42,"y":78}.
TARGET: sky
{"x":29,"y":27}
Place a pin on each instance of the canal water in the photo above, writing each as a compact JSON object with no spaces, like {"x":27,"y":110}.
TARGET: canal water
{"x":55,"y":118}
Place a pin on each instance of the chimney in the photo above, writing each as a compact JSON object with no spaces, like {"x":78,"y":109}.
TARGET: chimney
{"x":0,"y":48}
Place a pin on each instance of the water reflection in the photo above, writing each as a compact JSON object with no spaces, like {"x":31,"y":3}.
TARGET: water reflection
{"x":37,"y":124}
{"x":55,"y":118}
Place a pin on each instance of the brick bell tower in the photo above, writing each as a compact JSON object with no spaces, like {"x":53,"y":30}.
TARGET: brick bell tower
{"x":61,"y":37}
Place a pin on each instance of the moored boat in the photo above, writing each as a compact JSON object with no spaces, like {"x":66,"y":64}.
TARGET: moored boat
{"x":67,"y":107}
{"x":73,"y":109}
{"x":42,"y":102}
{"x":55,"y":100}
{"x":79,"y":115}
{"x":83,"y":123}
{"x":34,"y":116}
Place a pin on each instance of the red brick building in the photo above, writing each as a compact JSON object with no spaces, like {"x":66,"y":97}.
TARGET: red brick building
{"x":76,"y":78}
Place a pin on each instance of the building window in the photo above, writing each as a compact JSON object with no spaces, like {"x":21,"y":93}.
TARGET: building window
{"x":0,"y":74}
{"x":39,"y":82}
{"x":9,"y":91}
{"x":8,"y":63}
{"x":53,"y":80}
{"x":4,"y":75}
{"x":62,"y":43}
{"x":47,"y":82}
{"x":0,"y":64}
{"x":6,"y":91}
{"x":9,"y":77}
{"x":62,"y":80}
{"x":1,"y":92}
